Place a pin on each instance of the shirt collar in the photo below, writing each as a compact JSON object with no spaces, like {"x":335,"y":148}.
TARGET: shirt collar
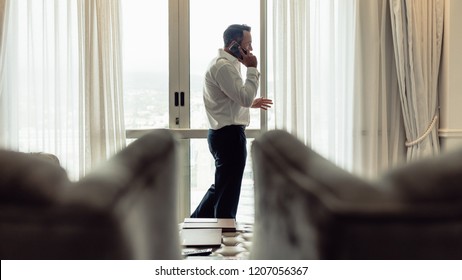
{"x":228,"y":56}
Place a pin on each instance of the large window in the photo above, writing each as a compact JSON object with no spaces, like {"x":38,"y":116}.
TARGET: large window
{"x":145,"y":63}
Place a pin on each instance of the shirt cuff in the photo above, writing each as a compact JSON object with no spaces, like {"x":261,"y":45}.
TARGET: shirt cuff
{"x":253,"y":71}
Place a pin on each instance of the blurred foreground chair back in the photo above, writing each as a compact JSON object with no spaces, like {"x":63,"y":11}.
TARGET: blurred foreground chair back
{"x":124,"y":209}
{"x":308,"y":208}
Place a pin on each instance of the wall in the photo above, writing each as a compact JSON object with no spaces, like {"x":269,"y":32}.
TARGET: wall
{"x":451,"y":78}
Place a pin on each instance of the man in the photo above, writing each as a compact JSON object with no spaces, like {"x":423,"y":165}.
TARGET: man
{"x":227,"y":99}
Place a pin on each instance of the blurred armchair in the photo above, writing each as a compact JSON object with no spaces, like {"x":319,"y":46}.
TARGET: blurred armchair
{"x":124,"y":209}
{"x":308,"y":208}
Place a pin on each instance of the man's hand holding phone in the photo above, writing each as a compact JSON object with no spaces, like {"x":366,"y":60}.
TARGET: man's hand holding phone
{"x":244,"y":56}
{"x":247,"y":58}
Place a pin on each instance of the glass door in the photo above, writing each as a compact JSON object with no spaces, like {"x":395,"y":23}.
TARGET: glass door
{"x":167,"y":45}
{"x":208,"y":19}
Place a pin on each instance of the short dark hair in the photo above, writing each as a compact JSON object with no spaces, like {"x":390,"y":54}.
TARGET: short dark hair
{"x":235,"y":32}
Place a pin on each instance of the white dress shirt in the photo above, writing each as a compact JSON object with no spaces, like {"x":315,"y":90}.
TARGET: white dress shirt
{"x":227,"y":98}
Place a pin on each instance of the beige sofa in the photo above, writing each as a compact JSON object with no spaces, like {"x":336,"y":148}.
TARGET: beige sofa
{"x":308,"y":208}
{"x":125,"y":209}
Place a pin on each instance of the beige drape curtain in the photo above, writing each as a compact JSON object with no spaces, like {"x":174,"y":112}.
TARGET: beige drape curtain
{"x":101,"y":103}
{"x":417,"y":36}
{"x":378,"y":124}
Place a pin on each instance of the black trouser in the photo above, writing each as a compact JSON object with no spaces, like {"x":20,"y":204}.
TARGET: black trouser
{"x":228,"y":146}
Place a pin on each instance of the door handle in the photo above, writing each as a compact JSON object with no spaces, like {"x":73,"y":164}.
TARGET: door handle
{"x":176,"y":99}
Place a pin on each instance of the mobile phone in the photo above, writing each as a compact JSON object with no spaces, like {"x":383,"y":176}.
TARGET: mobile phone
{"x":234,"y":48}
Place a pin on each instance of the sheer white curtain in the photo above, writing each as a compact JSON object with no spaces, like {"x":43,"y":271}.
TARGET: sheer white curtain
{"x":417,"y":36}
{"x":60,"y":92}
{"x":311,"y":50}
{"x":378,"y":125}
{"x":41,"y":89}
{"x":334,"y":82}
{"x":3,"y":28}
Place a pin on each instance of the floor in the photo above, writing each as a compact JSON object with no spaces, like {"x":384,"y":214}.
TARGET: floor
{"x":235,"y":246}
